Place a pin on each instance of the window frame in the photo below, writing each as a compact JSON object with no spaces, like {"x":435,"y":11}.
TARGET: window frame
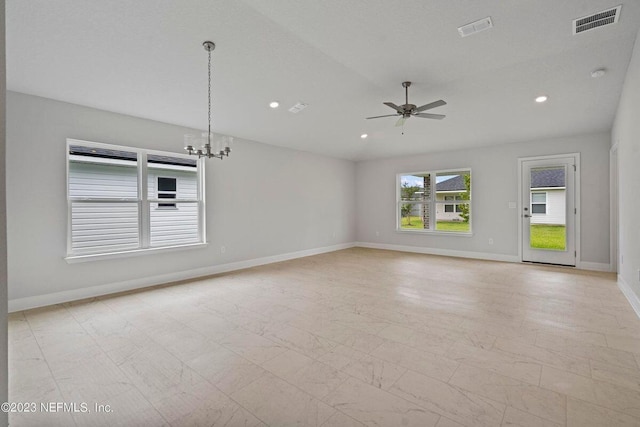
{"x":545,"y":203}
{"x":433,"y":203}
{"x":143,"y":201}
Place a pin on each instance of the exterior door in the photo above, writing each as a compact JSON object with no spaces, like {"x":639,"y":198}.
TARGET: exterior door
{"x":549,"y":210}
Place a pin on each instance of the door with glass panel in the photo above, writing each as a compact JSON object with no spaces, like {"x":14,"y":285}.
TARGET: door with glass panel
{"x":549,"y":210}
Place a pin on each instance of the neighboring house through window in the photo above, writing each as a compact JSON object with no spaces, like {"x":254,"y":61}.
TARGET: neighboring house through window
{"x":117,"y":199}
{"x":548,"y":196}
{"x":447,"y":209}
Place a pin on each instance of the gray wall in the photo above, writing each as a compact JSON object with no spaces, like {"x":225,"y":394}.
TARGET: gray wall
{"x":495,"y":178}
{"x":262,"y":201}
{"x":3,"y":227}
{"x":626,"y":134}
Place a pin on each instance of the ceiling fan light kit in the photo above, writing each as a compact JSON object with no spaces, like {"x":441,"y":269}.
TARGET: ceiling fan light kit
{"x":405,"y":111}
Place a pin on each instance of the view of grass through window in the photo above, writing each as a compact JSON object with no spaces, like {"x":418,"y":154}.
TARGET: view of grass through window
{"x":436,"y":201}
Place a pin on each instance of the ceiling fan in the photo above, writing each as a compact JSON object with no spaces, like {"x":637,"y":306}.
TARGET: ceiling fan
{"x":407,"y":110}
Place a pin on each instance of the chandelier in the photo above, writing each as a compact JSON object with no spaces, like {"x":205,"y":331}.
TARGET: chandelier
{"x":223,"y":148}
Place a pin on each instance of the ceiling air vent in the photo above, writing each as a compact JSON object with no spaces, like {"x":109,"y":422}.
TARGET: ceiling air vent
{"x":606,"y":17}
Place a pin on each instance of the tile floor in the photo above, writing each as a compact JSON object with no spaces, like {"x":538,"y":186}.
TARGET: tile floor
{"x":350,"y":338}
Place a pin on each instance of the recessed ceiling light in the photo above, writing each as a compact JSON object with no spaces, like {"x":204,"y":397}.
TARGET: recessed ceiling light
{"x":541,"y":98}
{"x":274,"y":104}
{"x":364,"y":136}
{"x":598,"y":73}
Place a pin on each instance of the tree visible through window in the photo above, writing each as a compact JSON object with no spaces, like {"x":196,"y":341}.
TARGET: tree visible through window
{"x":448,"y":208}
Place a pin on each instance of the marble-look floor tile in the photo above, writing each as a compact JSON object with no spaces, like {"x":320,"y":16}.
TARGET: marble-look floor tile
{"x":593,"y":352}
{"x":376,"y":407}
{"x":517,"y":418}
{"x":511,"y":365}
{"x":614,"y":374}
{"x":251,"y":346}
{"x":623,"y":342}
{"x":376,"y":372}
{"x":420,"y":361}
{"x":301,"y":341}
{"x":459,"y":338}
{"x":543,"y":356}
{"x":341,"y":420}
{"x":341,"y":356}
{"x":585,"y":414}
{"x":316,"y":378}
{"x":157,"y":373}
{"x":203,"y":404}
{"x":225,"y":369}
{"x":447,"y":422}
{"x":525,"y":397}
{"x":597,"y":392}
{"x":278,"y":403}
{"x":93,"y":380}
{"x":460,"y":405}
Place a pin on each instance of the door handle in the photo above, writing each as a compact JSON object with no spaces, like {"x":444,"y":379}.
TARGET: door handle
{"x":526,"y":216}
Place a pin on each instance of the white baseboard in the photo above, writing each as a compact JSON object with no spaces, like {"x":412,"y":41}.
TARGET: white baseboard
{"x":594,"y":266}
{"x":26,"y":303}
{"x":632,"y":297}
{"x":437,"y":251}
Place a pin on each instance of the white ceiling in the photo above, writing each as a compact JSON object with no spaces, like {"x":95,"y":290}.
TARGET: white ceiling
{"x":343,"y":58}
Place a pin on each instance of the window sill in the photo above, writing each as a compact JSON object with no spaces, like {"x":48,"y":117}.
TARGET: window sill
{"x":435,"y":232}
{"x":72,"y":259}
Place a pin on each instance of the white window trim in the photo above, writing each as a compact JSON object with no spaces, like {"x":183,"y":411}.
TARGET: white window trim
{"x":433,"y":203}
{"x":143,"y":201}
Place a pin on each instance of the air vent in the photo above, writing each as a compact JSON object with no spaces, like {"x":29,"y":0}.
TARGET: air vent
{"x":475,"y":27}
{"x":606,"y":17}
{"x":298,"y":107}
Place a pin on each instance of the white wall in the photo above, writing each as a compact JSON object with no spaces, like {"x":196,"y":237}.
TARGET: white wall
{"x":495,"y":183}
{"x":626,"y":135}
{"x":262,"y":201}
{"x":3,"y":222}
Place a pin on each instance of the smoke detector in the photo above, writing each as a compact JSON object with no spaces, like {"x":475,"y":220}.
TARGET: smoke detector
{"x":606,"y":17}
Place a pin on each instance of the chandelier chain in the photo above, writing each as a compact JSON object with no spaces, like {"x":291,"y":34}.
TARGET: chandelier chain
{"x":209,"y":69}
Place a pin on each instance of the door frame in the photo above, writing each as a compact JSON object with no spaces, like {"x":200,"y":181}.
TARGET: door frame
{"x":576,"y":157}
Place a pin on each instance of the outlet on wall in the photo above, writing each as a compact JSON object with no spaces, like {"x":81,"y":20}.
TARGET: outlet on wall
{"x":491,"y":240}
{"x":223,"y":249}
{"x":377,"y":234}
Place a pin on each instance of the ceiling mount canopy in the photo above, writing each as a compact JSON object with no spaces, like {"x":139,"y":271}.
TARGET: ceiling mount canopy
{"x":191,"y":141}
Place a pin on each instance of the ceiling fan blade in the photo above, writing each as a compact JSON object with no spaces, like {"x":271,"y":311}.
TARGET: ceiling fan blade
{"x":401,"y":121}
{"x":430,"y":116}
{"x":394,"y":106}
{"x":377,"y":117}
{"x":435,"y":104}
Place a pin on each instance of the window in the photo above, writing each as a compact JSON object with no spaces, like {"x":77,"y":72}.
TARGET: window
{"x":167,"y":189}
{"x":117,"y":198}
{"x":447,"y":209}
{"x":539,"y":203}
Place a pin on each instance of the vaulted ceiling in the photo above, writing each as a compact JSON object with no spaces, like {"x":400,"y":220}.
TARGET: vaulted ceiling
{"x":342,"y":58}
